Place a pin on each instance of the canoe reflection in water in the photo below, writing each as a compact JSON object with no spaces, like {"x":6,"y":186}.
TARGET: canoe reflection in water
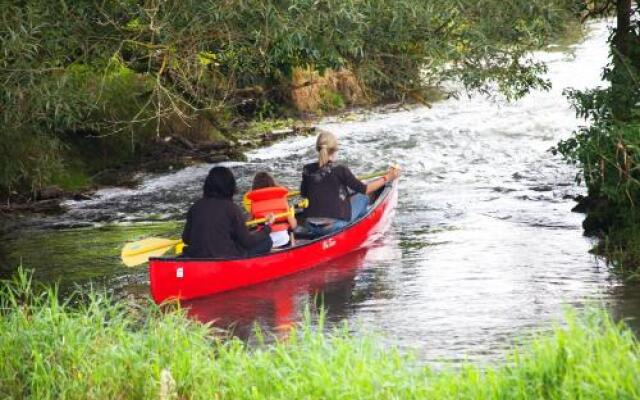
{"x":276,"y":305}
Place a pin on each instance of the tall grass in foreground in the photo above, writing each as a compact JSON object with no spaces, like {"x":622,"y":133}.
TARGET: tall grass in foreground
{"x":100,"y":349}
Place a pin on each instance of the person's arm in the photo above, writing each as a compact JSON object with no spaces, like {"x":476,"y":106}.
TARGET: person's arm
{"x":376,"y":184}
{"x":303,"y":185}
{"x":350,"y":181}
{"x":293,"y":222}
{"x":242,"y":234}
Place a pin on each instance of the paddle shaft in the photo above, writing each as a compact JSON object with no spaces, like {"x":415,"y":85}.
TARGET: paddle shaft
{"x":259,"y":221}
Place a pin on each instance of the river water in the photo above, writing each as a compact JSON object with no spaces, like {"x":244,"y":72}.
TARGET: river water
{"x":483,"y":249}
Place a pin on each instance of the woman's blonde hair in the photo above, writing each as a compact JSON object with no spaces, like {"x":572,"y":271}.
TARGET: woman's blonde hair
{"x":326,"y":144}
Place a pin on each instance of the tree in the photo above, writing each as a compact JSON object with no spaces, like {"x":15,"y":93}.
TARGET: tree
{"x":607,"y":151}
{"x":121,"y":71}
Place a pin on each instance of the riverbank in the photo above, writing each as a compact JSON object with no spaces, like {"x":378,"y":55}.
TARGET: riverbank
{"x":169,"y":153}
{"x":607,"y":149}
{"x":132,"y":84}
{"x":173,"y":153}
{"x":105,"y":349}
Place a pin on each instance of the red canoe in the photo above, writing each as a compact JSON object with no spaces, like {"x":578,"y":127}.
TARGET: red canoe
{"x":183,"y":278}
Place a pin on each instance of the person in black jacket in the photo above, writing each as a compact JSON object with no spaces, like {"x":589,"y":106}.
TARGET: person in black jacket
{"x":327,"y":185}
{"x":216,"y":227}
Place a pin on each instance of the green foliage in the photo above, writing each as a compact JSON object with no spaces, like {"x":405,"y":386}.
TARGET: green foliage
{"x":502,"y":34}
{"x":92,"y":347}
{"x":609,"y":156}
{"x":28,"y":161}
{"x":522,"y":21}
{"x":123,"y":70}
{"x":621,"y":246}
{"x":72,"y":179}
{"x":608,"y":151}
{"x":260,"y":127}
{"x":331,"y":101}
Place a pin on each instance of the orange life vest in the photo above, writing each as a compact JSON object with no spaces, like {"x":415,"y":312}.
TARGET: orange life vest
{"x":270,"y":200}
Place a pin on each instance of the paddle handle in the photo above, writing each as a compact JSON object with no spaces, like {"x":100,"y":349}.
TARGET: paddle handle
{"x":259,"y":221}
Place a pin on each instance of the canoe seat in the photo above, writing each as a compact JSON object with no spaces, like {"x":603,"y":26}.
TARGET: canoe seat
{"x":303,"y":233}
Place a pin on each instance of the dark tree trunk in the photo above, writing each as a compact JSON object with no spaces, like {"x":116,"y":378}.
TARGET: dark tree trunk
{"x":623,"y":28}
{"x":620,"y":52}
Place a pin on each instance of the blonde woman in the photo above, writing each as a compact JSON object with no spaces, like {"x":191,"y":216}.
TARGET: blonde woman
{"x":326,"y":184}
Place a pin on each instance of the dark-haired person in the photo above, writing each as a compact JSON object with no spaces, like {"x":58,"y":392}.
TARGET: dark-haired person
{"x":326,"y":184}
{"x":216,"y":227}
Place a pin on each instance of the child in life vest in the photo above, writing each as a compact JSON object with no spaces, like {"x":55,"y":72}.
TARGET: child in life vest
{"x":267,"y":196}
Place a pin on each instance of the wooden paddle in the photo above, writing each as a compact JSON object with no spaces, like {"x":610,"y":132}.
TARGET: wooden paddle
{"x":139,"y":252}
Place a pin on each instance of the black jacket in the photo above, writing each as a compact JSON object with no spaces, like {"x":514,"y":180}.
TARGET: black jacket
{"x":216,"y":228}
{"x":326,"y":189}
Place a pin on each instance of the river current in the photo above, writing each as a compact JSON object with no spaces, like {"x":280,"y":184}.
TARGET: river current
{"x":483,"y":250}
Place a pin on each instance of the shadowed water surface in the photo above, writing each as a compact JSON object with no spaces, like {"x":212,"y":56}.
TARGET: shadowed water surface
{"x":483,"y":248}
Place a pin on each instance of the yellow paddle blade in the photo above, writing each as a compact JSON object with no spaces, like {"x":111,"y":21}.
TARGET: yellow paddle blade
{"x":179,"y":248}
{"x":132,"y":261}
{"x":139,"y":252}
{"x":148,"y":244}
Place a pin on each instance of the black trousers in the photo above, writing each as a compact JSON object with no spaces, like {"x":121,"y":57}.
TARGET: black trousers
{"x":261,"y":248}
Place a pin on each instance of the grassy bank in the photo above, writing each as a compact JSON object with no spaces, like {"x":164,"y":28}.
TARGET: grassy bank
{"x":101,"y":349}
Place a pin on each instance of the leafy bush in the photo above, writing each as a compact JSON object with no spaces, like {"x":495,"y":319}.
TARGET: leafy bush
{"x":608,"y":151}
{"x":28,"y":161}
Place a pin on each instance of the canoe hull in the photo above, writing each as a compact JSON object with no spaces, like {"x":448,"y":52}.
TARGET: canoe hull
{"x":181,"y":278}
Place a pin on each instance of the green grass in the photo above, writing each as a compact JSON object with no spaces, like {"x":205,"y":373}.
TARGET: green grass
{"x":331,"y":101}
{"x":621,"y":249}
{"x":73,"y":180}
{"x":260,"y":127}
{"x":102,"y":349}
